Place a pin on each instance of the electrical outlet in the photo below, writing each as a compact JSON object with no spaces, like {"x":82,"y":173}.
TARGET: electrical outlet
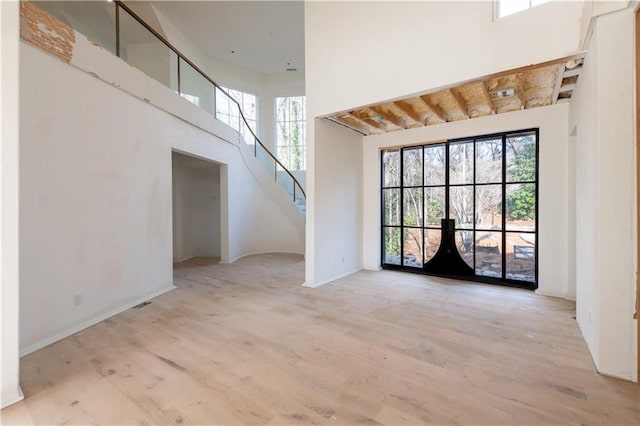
{"x":77,"y":299}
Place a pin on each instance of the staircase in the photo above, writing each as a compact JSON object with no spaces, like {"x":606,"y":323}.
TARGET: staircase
{"x":181,"y":72}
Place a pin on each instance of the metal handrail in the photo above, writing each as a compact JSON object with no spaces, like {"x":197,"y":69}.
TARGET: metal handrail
{"x":119,"y":5}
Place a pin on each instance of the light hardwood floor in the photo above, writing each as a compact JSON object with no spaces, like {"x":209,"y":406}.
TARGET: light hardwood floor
{"x":246,"y":344}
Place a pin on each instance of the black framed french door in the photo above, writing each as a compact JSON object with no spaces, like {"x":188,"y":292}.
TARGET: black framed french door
{"x":488,"y":185}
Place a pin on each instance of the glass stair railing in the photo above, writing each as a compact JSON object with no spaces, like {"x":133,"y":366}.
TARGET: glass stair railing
{"x":144,"y":48}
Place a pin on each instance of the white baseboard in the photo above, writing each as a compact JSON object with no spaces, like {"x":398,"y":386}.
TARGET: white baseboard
{"x":550,"y":294}
{"x":93,"y":321}
{"x":12,"y":398}
{"x":375,"y":268}
{"x":260,"y":252}
{"x":331,"y":279}
{"x":628,"y":378}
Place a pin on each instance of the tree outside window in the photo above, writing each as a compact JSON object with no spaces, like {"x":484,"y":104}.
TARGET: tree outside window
{"x":291,"y":132}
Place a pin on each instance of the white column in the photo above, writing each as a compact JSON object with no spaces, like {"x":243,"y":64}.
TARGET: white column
{"x":9,"y":292}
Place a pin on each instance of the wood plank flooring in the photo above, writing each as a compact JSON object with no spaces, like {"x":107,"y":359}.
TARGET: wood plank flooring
{"x":246,"y":344}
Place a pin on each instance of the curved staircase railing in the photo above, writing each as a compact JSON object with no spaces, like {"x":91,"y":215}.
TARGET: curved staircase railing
{"x":292,"y":186}
{"x":142,"y":36}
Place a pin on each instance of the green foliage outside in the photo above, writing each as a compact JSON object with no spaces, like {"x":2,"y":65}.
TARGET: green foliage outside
{"x":435,"y":211}
{"x":392,"y":241}
{"x":521,"y":204}
{"x":297,"y":155}
{"x":290,"y":122}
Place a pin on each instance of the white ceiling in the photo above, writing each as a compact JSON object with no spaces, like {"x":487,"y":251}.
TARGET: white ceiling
{"x":266,"y":36}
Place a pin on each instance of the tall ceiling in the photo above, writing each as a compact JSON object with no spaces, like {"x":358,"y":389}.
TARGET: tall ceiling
{"x":528,"y":87}
{"x":265,"y":37}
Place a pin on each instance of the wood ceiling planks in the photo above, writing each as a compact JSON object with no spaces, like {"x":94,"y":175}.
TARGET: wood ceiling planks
{"x":528,"y":87}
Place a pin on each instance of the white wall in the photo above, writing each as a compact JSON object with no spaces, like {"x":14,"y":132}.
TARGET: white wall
{"x":206,"y":208}
{"x":96,"y":190}
{"x":366,"y":52}
{"x":153,"y":58}
{"x":585,"y":117}
{"x":9,"y":249}
{"x":594,"y":8}
{"x":571,"y":212}
{"x":196,"y":208}
{"x":265,"y":86}
{"x":602,"y":111}
{"x":337,"y":183}
{"x":552,"y":193}
{"x":376,"y":51}
{"x":182,"y":220}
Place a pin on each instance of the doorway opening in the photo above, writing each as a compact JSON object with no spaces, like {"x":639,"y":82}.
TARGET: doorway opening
{"x":463,"y":208}
{"x":196,"y":199}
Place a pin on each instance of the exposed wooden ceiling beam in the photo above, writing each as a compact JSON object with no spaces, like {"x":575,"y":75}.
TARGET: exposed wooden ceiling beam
{"x":393,"y":120}
{"x":525,"y":68}
{"x":351,"y":120}
{"x":520,"y":90}
{"x":572,"y":72}
{"x":459,"y":101}
{"x":406,"y":108}
{"x":487,"y":98}
{"x":557,"y":84}
{"x":471,"y":98}
{"x":341,"y":122}
{"x":568,"y":87}
{"x":365,"y":117}
{"x":436,"y":110}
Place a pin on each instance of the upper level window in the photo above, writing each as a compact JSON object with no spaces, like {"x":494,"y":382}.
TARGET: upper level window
{"x":508,"y":7}
{"x":227,"y":111}
{"x":291,"y":132}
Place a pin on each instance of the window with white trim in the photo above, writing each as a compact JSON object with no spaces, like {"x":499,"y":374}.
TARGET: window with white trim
{"x":291,"y":132}
{"x":509,"y":7}
{"x":227,"y":111}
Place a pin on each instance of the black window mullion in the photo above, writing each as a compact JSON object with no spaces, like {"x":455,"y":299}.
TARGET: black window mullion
{"x":446,"y":181}
{"x":424,"y":210}
{"x":401,"y":206}
{"x":383,"y":259}
{"x":504,"y":206}
{"x":473,"y":235}
{"x":537,"y":136}
{"x":423,"y":224}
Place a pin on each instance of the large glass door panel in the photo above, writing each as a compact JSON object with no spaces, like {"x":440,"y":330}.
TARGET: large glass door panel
{"x":391,"y":207}
{"x":482,"y":190}
{"x":435,"y":161}
{"x":461,"y":163}
{"x":461,"y":206}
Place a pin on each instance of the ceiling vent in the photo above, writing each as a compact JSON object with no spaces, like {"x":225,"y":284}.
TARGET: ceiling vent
{"x":505,"y":93}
